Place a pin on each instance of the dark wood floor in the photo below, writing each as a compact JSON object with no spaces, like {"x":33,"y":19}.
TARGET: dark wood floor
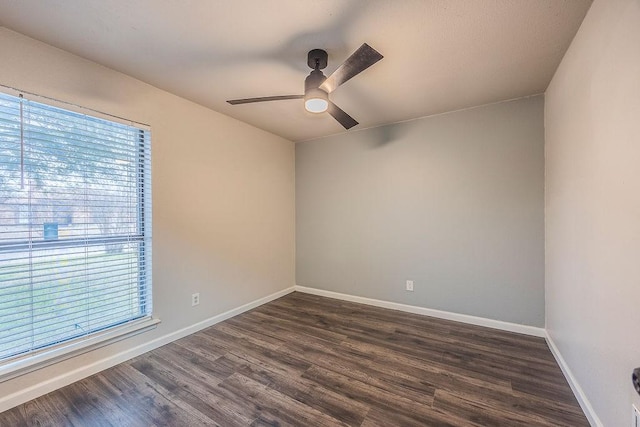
{"x":311,"y":361}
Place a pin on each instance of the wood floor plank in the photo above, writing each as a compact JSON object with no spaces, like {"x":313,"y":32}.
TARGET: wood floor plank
{"x":44,"y":411}
{"x":306,"y":360}
{"x":421,"y":349}
{"x":251,"y":322}
{"x":510,"y":411}
{"x":378,"y":398}
{"x":478,"y":344}
{"x":188,"y":393}
{"x":440,"y":377}
{"x":281,"y":407}
{"x":298,"y":327}
{"x":318,"y":317}
{"x":340,"y":407}
{"x":436,"y":372}
{"x":378,"y":417}
{"x":86,"y":405}
{"x":249,"y":337}
{"x":483,"y":414}
{"x":525,"y":377}
{"x":121,"y":413}
{"x":192,"y":364}
{"x":158,"y":405}
{"x":547,"y":389}
{"x":265,"y":356}
{"x":561,"y":413}
{"x":14,"y":417}
{"x":392,"y":381}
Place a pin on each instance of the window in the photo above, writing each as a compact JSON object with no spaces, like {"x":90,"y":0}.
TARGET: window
{"x":75,"y":226}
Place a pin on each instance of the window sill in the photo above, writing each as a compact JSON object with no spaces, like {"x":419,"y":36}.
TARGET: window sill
{"x":31,"y":362}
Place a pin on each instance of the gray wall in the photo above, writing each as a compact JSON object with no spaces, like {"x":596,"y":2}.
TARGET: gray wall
{"x":454,"y":202}
{"x":592,"y":116}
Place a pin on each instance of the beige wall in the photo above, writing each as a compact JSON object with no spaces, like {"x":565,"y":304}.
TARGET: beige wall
{"x":453,"y":202}
{"x":592,"y":120}
{"x":223,"y":192}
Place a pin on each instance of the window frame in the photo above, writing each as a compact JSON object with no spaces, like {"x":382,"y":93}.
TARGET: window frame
{"x":39,"y":357}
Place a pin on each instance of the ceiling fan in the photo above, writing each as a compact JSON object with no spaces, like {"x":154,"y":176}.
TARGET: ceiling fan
{"x":317,"y":87}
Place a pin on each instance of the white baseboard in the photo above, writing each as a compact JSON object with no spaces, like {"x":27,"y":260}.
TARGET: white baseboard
{"x":588,"y":410}
{"x":36,"y":390}
{"x":463,"y":318}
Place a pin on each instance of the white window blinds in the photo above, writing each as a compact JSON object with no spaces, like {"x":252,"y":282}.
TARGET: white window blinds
{"x":75,"y":225}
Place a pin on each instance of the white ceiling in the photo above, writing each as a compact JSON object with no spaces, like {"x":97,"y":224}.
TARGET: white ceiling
{"x":440,"y":55}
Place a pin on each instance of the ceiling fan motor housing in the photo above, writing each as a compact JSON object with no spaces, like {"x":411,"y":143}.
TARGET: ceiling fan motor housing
{"x":313,"y":92}
{"x":314,"y":80}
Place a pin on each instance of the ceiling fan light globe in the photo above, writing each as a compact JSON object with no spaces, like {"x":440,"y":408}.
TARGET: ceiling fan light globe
{"x":316,"y":105}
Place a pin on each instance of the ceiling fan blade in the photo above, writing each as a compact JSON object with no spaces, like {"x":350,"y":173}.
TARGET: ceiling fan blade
{"x":264,"y":98}
{"x":359,"y":61}
{"x":343,"y":118}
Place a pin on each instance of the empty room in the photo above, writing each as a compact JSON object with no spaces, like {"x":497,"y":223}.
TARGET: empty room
{"x":320,"y":213}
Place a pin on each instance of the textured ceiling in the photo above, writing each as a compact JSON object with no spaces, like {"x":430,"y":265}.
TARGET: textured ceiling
{"x":440,"y":55}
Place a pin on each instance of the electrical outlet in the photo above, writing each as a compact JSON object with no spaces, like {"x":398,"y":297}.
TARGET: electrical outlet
{"x":410,"y":285}
{"x":635,"y":420}
{"x":195,"y":299}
